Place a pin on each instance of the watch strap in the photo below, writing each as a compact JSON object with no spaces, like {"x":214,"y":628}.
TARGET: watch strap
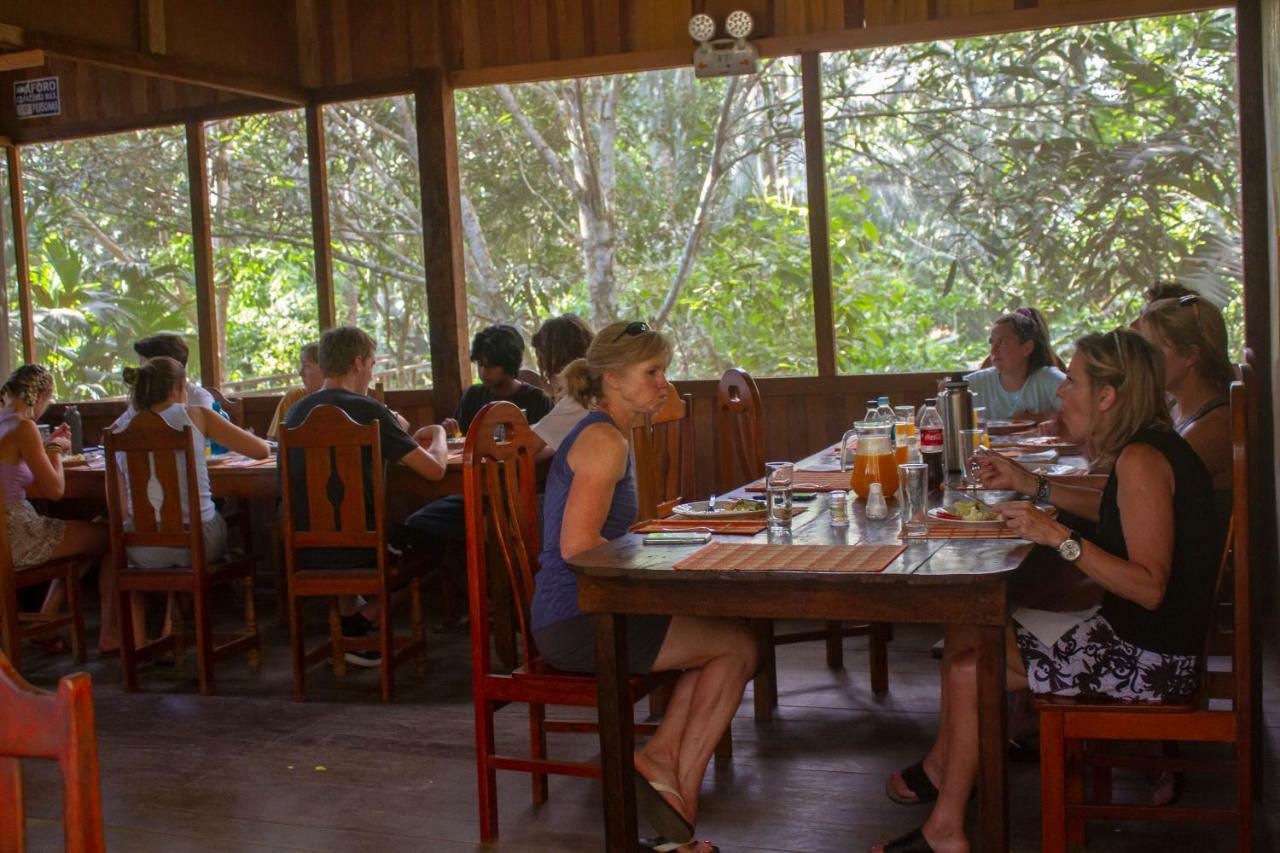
{"x":1042,"y":489}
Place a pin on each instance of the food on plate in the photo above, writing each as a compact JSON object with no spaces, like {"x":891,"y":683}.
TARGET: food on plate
{"x":741,"y":505}
{"x":974,"y":511}
{"x":72,"y":458}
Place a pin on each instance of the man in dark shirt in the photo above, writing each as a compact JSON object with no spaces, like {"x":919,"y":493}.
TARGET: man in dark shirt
{"x":346,"y":357}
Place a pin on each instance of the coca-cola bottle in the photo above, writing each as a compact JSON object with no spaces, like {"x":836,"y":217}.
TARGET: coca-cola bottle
{"x":929,"y":429}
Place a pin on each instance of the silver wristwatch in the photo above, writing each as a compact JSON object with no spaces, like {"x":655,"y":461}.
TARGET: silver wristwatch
{"x":1071,"y":547}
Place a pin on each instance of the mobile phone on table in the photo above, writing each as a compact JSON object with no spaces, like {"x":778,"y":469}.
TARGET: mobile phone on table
{"x":678,"y":537}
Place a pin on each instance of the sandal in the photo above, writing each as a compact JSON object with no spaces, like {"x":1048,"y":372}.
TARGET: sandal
{"x":660,"y":815}
{"x":662,"y":845}
{"x":913,"y":842}
{"x":917,"y":782}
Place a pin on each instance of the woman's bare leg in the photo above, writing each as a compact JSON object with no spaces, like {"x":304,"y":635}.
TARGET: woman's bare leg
{"x":83,"y":537}
{"x":718,"y":657}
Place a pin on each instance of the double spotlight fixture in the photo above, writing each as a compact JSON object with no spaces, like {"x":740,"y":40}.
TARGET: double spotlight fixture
{"x":723,"y":57}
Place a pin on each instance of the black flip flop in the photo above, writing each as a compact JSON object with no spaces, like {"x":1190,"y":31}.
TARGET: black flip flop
{"x":658,"y":813}
{"x":913,"y":842}
{"x":917,"y":782}
{"x":661,"y":845}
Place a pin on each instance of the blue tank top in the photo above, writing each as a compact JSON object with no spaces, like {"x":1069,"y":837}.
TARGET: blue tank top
{"x":555,"y":595}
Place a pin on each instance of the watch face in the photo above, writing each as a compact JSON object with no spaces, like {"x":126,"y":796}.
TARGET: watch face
{"x":1069,"y":550}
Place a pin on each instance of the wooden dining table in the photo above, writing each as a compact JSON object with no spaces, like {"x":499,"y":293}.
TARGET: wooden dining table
{"x":939,"y":581}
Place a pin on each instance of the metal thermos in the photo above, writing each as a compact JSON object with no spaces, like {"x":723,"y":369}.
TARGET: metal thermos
{"x":71,"y":417}
{"x":956,"y":406}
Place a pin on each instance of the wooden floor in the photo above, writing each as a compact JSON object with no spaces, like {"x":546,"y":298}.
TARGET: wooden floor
{"x":250,"y":770}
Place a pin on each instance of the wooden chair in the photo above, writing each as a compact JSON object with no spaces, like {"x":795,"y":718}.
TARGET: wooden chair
{"x":740,"y":453}
{"x":502,"y":512}
{"x":663,"y":450}
{"x":334,"y":448}
{"x":1066,"y":725}
{"x":36,"y":724}
{"x":150,"y":449}
{"x":15,"y":626}
{"x":233,"y":406}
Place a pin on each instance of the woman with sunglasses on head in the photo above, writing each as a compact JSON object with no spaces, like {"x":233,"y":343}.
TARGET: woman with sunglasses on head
{"x":1152,"y":552}
{"x":591,"y":499}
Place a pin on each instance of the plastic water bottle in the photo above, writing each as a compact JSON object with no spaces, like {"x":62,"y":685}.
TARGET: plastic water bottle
{"x":885,"y":415}
{"x":214,"y":448}
{"x":71,"y":417}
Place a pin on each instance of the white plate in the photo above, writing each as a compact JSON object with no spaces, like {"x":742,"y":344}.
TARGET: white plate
{"x":1057,"y":470}
{"x":698,"y":509}
{"x":959,"y":522}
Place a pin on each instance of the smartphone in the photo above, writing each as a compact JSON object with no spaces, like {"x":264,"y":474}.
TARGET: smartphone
{"x":678,"y":537}
{"x":803,"y":496}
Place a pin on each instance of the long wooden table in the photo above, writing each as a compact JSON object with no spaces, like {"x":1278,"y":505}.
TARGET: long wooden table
{"x":953,"y":581}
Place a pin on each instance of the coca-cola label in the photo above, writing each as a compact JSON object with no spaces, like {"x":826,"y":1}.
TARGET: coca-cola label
{"x":930,"y":438}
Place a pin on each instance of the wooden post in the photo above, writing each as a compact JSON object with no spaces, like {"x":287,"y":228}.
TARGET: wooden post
{"x":17,"y":204}
{"x":6,"y":352}
{"x":202,"y":246}
{"x":151,"y":26}
{"x":819,"y":236}
{"x":318,"y":172}
{"x":442,"y":238}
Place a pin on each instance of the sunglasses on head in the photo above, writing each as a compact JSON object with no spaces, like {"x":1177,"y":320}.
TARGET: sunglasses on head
{"x":1189,"y":299}
{"x":637,"y":328}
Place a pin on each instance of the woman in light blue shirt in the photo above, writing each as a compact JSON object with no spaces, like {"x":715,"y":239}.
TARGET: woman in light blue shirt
{"x":1022,"y":380}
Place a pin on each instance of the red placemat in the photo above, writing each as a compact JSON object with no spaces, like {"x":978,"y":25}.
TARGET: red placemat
{"x":759,"y":557}
{"x":741,"y":526}
{"x":955,"y":531}
{"x":813,"y":481}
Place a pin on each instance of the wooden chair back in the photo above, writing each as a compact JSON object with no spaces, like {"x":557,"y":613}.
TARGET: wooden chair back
{"x":739,"y":430}
{"x":333,"y":450}
{"x":35,"y":724}
{"x":378,"y":391}
{"x":499,"y":486}
{"x":233,"y":406}
{"x":663,"y":449}
{"x":158,"y":465}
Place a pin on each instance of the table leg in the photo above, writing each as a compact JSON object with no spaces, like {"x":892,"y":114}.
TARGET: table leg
{"x":766,"y":678}
{"x":616,"y":733}
{"x":993,"y":790}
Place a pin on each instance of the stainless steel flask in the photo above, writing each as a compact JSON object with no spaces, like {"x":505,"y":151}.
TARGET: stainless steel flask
{"x":956,"y":405}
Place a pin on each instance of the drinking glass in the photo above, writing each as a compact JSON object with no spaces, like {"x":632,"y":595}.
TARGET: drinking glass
{"x":913,"y":479}
{"x":45,"y":431}
{"x":970,"y":441}
{"x":779,"y":478}
{"x":980,"y":416}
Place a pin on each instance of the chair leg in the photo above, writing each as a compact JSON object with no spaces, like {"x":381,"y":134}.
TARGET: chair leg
{"x":386,"y":644}
{"x":1101,"y":774}
{"x":538,"y":748}
{"x":724,"y":746}
{"x":487,"y":776}
{"x":178,"y":630}
{"x":251,"y":626}
{"x":297,"y":649}
{"x":335,"y":638}
{"x":13,"y":822}
{"x":766,"y":678}
{"x":204,"y":639}
{"x":419,"y":633}
{"x":75,"y":604}
{"x":10,"y":627}
{"x":1245,"y":782}
{"x":128,"y":659}
{"x":1074,"y":758}
{"x":878,"y":650}
{"x":835,"y":646}
{"x":1053,"y":803}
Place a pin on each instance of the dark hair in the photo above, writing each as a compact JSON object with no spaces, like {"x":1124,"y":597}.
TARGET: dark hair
{"x":1028,"y":329}
{"x":311,"y":352}
{"x":561,"y":340}
{"x":164,"y":344}
{"x":27,"y":383}
{"x":154,"y":381}
{"x":499,"y":346}
{"x":1167,"y":290}
{"x":340,"y":347}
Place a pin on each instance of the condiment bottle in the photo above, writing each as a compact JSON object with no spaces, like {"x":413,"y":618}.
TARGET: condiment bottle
{"x":839,"y":508}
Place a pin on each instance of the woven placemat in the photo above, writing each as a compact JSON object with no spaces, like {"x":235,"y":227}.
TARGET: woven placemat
{"x":953,"y":531}
{"x":740,"y":526}
{"x":813,"y":481}
{"x":759,"y":557}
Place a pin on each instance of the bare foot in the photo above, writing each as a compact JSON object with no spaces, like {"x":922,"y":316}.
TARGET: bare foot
{"x":650,"y":770}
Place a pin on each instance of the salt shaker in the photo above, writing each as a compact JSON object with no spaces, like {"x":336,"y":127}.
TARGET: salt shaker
{"x":839,"y":508}
{"x":876,"y":506}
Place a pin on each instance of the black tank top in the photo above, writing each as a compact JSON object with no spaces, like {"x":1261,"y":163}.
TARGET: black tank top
{"x":1178,"y":625}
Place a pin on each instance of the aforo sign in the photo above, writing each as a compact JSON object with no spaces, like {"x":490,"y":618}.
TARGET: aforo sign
{"x":37,"y":98}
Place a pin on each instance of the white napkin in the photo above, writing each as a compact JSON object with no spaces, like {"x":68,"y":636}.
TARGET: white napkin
{"x":1048,"y":626}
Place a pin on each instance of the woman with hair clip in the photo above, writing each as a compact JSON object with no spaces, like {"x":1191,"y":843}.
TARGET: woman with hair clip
{"x":591,"y":499}
{"x":1152,"y":552}
{"x":160,"y":386}
{"x":32,"y":468}
{"x":1022,"y":377}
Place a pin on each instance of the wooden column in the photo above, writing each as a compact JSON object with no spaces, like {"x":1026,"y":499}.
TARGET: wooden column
{"x":202,"y":245}
{"x":17,"y":204}
{"x":819,"y":235}
{"x":442,"y":238}
{"x":6,"y":348}
{"x":318,"y":173}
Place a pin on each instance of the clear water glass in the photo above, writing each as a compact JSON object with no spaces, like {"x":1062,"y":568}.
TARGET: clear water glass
{"x":779,"y":479}
{"x":970,"y":441}
{"x":913,"y":483}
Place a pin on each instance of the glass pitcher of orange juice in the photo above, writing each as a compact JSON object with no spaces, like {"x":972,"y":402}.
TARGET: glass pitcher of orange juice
{"x":873,"y":460}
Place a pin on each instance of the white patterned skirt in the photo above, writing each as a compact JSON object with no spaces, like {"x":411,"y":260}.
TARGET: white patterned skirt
{"x":1090,"y":660}
{"x":32,"y":537}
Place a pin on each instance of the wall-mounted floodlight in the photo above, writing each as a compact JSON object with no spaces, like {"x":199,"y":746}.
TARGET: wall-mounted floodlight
{"x":723,"y":57}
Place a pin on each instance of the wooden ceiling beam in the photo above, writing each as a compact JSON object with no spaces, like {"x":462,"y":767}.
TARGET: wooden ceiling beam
{"x":163,"y":67}
{"x":21,"y":59}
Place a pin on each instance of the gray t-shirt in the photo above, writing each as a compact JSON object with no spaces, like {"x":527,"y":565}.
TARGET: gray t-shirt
{"x":1038,"y":394}
{"x":559,"y":422}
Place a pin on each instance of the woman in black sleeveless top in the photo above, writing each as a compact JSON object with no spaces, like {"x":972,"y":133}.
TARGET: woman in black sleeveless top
{"x":1153,"y":551}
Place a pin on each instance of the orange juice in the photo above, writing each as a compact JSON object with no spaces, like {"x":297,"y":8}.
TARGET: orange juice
{"x":874,"y":463}
{"x":900,"y":453}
